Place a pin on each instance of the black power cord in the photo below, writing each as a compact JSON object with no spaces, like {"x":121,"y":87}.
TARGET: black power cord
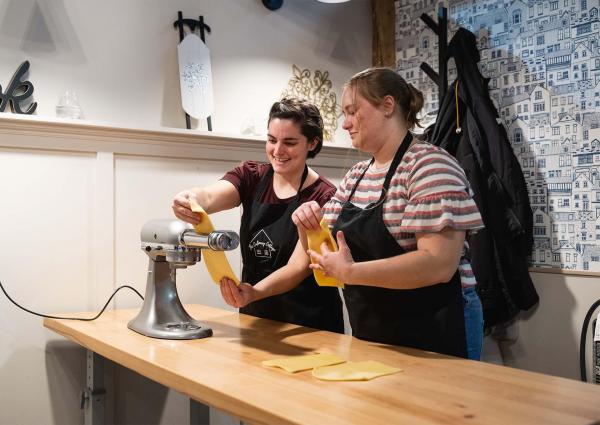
{"x":582,"y":341}
{"x":71,"y":318}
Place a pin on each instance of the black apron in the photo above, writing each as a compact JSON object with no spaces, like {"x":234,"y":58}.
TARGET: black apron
{"x":267,"y":239}
{"x":429,"y":318}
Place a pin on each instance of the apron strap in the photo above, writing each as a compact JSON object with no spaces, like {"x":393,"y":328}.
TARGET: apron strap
{"x":262,"y":185}
{"x":396,"y":161}
{"x":359,"y":179}
{"x":391,"y":171}
{"x":302,"y":180}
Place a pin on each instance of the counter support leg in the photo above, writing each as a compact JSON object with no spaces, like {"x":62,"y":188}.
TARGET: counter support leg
{"x":92,"y":398}
{"x":199,"y":413}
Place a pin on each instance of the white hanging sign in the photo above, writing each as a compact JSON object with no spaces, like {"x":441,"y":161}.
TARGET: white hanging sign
{"x":195,"y":77}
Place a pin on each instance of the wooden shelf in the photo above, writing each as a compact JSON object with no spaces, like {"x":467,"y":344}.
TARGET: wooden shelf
{"x":33,"y":132}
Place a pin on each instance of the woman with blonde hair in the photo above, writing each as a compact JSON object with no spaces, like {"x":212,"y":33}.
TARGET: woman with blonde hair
{"x":400,"y":221}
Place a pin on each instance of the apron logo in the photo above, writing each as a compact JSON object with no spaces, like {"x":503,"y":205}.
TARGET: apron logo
{"x":262,"y":245}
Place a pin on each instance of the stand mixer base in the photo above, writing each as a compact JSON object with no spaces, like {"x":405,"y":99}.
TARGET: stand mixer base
{"x":162,"y":314}
{"x":175,"y":330}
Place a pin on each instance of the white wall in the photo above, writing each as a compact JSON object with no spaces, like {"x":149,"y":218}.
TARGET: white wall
{"x":546,"y":339}
{"x":46,"y":196}
{"x":121,"y":57}
{"x":73,"y":197}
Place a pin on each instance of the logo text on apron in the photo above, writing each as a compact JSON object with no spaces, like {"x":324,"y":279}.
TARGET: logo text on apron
{"x":262,"y":245}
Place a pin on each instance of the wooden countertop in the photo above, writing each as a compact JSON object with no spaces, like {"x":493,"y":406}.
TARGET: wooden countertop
{"x":225,"y":371}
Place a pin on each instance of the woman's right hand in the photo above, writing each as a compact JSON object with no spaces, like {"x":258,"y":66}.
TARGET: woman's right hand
{"x":181,"y":207}
{"x":308,"y":216}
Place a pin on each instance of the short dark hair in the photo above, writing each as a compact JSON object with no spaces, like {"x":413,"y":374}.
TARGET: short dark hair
{"x":303,"y":113}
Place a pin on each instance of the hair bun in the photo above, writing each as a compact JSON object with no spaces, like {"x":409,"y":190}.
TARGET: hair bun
{"x":415,"y":106}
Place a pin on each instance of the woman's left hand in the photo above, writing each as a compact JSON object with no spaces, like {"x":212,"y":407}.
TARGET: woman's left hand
{"x":337,"y":264}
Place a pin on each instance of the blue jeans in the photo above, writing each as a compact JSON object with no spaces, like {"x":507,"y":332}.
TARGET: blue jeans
{"x":473,"y":322}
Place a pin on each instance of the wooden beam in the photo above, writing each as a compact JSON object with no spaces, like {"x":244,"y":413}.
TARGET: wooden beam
{"x":384,"y":42}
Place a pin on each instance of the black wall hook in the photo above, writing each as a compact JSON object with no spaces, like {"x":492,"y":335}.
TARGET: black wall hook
{"x":441,"y":30}
{"x":192,"y":24}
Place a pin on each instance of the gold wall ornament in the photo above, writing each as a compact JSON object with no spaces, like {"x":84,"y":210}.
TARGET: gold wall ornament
{"x":317,"y":90}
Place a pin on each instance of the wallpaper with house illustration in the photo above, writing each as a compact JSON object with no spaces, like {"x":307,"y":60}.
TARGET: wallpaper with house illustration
{"x":543,"y":61}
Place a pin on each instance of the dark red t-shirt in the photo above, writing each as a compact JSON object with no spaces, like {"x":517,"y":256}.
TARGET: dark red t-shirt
{"x":246,"y":178}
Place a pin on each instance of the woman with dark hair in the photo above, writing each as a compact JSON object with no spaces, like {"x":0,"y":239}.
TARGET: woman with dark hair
{"x":276,"y":283}
{"x":400,"y":221}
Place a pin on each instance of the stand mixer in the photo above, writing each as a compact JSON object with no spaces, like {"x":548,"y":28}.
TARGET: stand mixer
{"x":172,"y":245}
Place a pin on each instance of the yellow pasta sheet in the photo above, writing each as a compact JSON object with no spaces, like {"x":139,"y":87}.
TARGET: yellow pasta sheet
{"x":306,"y":362}
{"x":354,"y":371}
{"x":216,"y":262}
{"x":315,"y":239}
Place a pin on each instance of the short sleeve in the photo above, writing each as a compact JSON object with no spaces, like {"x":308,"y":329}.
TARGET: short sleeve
{"x":331,"y":210}
{"x":324,"y":193}
{"x":438,"y":194}
{"x":245,"y":178}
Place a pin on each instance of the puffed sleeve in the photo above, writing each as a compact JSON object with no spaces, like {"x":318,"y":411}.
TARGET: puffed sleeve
{"x":438,"y":194}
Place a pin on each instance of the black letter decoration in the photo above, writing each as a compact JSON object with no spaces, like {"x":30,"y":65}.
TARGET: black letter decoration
{"x":17,"y":92}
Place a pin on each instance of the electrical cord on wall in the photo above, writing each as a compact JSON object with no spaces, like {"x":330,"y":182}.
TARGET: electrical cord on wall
{"x":71,"y":318}
{"x":582,"y":340}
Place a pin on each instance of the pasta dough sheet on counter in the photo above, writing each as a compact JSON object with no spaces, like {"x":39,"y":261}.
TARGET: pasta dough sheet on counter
{"x":216,"y":262}
{"x":354,"y":371}
{"x":299,"y":363}
{"x":315,"y":239}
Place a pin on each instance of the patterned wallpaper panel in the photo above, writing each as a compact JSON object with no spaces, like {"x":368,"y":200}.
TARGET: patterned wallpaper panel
{"x":543,"y":61}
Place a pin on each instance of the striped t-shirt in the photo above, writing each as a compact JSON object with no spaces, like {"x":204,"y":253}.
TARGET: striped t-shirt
{"x":428,"y":193}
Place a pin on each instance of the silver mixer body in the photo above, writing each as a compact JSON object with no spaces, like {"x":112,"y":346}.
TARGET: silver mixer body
{"x":171,"y":245}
